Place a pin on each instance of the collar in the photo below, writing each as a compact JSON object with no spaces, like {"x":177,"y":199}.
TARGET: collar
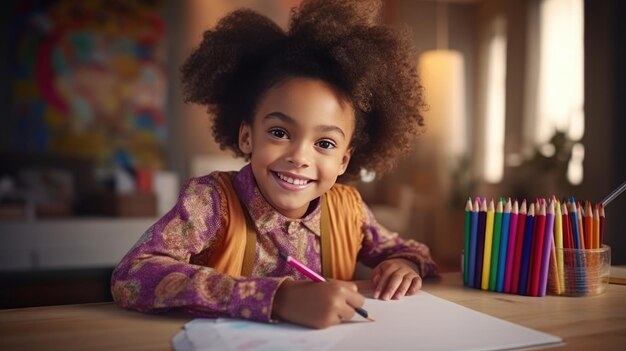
{"x":264,"y":216}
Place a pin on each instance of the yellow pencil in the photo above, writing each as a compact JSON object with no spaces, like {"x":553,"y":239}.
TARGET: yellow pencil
{"x":558,"y":241}
{"x":488,"y":239}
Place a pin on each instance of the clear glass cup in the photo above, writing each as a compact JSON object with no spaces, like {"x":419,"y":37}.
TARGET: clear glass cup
{"x":583,"y":272}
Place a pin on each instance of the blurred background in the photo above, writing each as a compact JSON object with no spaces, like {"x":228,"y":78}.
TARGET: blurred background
{"x":526,"y":100}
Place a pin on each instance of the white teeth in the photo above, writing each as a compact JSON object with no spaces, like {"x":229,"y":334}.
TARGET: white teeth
{"x":291,"y":180}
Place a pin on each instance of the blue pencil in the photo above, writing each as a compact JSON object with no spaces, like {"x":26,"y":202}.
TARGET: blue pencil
{"x":480,"y":243}
{"x":504,"y":242}
{"x":528,"y":236}
{"x":473,"y":239}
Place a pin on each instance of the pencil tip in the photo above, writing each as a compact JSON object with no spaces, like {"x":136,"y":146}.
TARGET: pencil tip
{"x":371,"y":319}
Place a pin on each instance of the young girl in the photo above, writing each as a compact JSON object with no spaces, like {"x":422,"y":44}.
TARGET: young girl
{"x":335,"y":94}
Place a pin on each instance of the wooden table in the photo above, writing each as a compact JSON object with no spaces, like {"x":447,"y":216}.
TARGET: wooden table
{"x":590,"y":323}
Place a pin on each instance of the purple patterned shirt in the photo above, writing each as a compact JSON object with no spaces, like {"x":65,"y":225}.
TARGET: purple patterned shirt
{"x":156,"y":274}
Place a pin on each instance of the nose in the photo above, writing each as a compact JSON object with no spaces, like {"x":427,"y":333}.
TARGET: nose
{"x":298,"y":155}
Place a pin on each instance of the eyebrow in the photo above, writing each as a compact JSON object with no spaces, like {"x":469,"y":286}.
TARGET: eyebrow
{"x":287,"y":119}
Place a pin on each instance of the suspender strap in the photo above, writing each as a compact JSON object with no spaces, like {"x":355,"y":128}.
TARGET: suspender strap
{"x":250,"y":250}
{"x":327,"y":258}
{"x":326,"y":253}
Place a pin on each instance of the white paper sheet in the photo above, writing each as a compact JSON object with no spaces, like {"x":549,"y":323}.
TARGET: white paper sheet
{"x":420,"y":322}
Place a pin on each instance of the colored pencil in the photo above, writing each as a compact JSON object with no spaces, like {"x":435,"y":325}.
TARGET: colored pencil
{"x":573,"y":214}
{"x":488,"y":247}
{"x":473,"y":239}
{"x":317,"y":278}
{"x":480,"y":243}
{"x":525,"y":262}
{"x":557,"y":285}
{"x":510,"y":255}
{"x":519,"y":247}
{"x":596,"y":228}
{"x":558,"y":241}
{"x":547,"y":248}
{"x":578,"y":261}
{"x":504,"y":242}
{"x":568,"y":240}
{"x":601,"y":224}
{"x":537,"y":249}
{"x":581,"y":227}
{"x":491,"y":251}
{"x":466,"y":246}
{"x":588,"y":223}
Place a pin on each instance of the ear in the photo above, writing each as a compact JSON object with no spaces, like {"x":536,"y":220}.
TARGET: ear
{"x":245,"y":138}
{"x":345,"y":160}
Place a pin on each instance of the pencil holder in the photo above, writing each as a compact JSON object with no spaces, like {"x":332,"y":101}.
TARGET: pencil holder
{"x":583,"y":272}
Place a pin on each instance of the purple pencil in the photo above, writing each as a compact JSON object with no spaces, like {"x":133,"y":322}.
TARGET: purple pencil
{"x":547,"y":246}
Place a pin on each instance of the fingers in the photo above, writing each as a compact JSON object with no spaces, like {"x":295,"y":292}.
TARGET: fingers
{"x":389,"y":282}
{"x":317,"y":305}
{"x":394,"y":279}
{"x":416,"y":285}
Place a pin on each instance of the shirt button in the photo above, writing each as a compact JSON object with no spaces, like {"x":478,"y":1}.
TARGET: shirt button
{"x":292,"y":227}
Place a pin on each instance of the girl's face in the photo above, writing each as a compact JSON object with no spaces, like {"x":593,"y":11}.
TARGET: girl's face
{"x":298,"y":142}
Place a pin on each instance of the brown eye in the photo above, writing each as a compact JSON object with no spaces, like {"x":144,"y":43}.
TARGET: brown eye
{"x":326,"y":144}
{"x":278,"y":133}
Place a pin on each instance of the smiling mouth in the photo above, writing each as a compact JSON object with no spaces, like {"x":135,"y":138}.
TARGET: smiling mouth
{"x":294,"y":181}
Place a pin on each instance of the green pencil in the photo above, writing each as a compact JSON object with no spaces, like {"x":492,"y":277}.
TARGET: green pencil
{"x":468,"y":213}
{"x":497,"y":229}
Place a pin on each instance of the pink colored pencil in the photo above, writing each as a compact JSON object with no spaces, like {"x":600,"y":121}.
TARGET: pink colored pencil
{"x":519,"y":245}
{"x":547,"y":247}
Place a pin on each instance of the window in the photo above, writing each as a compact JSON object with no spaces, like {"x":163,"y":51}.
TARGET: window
{"x":556,"y":79}
{"x":494,"y":105}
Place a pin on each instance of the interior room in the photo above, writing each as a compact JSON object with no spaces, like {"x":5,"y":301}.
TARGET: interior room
{"x":525,"y":101}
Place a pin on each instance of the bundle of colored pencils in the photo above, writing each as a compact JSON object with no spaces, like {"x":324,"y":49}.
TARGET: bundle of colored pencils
{"x":512,"y":247}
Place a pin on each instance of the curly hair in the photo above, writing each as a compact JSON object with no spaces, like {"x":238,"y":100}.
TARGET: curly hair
{"x":339,"y":42}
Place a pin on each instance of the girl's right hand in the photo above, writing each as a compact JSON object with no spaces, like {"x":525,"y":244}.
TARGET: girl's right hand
{"x":317,"y":305}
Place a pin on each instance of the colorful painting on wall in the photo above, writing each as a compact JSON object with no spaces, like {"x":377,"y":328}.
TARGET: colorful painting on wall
{"x":89,"y":80}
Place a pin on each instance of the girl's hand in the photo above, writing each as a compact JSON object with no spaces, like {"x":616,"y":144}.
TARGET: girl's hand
{"x":317,"y":305}
{"x":394,"y":278}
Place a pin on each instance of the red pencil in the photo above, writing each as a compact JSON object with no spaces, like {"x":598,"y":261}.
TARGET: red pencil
{"x":537,"y":248}
{"x":567,"y":230}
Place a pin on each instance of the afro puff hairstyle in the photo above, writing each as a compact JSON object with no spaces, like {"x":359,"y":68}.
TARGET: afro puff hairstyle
{"x":339,"y":42}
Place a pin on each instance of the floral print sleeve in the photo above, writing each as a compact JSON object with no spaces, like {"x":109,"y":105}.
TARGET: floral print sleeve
{"x":380,"y":244}
{"x":156,"y":274}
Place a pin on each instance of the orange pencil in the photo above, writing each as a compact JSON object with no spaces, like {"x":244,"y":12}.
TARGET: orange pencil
{"x":588,"y":223}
